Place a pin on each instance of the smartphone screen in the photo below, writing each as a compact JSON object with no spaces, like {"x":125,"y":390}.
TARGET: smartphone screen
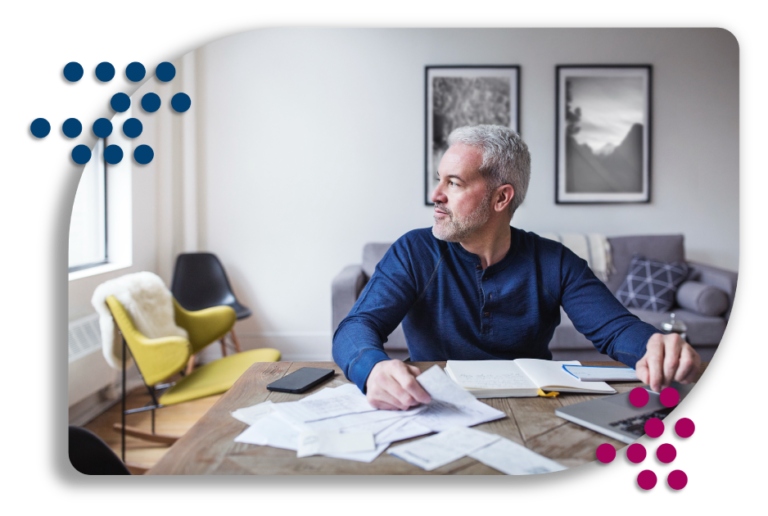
{"x":301,"y":380}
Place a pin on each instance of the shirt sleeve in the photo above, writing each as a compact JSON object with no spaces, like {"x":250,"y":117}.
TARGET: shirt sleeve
{"x":596,"y":313}
{"x":358,"y":343}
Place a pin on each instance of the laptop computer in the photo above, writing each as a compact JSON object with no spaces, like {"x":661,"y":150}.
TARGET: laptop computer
{"x":616,"y":417}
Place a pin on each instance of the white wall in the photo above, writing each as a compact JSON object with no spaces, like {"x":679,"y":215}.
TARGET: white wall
{"x":311,"y":143}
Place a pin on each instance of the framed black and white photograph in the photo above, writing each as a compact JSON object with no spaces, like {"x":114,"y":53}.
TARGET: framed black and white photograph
{"x":465,"y":95}
{"x":603,"y":128}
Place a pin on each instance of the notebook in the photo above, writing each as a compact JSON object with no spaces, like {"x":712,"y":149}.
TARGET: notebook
{"x":524,"y":377}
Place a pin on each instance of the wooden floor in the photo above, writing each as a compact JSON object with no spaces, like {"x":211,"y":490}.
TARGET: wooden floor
{"x":173,"y":420}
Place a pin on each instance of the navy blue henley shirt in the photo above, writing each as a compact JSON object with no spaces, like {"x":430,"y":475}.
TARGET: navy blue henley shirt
{"x":452,"y":309}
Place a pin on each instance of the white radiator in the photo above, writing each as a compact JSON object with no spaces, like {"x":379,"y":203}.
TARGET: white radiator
{"x":88,"y":371}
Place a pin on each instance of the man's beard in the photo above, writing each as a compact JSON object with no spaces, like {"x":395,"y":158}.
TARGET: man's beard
{"x":456,"y":229}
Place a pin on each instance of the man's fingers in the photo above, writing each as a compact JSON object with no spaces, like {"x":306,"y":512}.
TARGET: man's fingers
{"x":690,"y":362}
{"x":655,"y":359}
{"x":415,"y":371}
{"x":411,"y":386}
{"x":673,"y":346}
{"x":394,"y":388}
{"x":383,"y":399}
{"x":641,"y":370}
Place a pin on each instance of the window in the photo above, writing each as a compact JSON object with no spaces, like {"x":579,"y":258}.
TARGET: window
{"x":88,"y":225}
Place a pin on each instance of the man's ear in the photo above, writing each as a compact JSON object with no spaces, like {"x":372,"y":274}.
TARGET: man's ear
{"x":503,"y":197}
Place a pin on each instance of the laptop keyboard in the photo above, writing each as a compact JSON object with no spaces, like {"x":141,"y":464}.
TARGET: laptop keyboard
{"x":636,"y":425}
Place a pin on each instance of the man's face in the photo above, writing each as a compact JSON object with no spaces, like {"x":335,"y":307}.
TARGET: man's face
{"x":462,"y":201}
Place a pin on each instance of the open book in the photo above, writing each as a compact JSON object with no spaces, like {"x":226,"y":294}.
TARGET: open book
{"x":519,"y":378}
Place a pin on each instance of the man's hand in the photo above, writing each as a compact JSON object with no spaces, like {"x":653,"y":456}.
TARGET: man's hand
{"x":667,"y":358}
{"x":392,"y":385}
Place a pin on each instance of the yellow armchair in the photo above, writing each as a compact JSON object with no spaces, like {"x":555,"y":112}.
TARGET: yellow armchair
{"x":160,"y":359}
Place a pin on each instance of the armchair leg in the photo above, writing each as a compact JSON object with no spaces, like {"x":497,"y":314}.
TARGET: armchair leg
{"x":223,"y":347}
{"x":234,"y":339}
{"x":144,"y":435}
{"x":190,"y":365}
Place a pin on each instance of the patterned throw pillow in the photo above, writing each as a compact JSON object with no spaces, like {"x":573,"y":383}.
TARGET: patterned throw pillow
{"x":651,"y":285}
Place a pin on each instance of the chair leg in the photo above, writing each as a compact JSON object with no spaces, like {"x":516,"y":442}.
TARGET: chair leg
{"x":223,"y":347}
{"x":190,"y":365}
{"x":234,"y":339}
{"x":144,"y":435}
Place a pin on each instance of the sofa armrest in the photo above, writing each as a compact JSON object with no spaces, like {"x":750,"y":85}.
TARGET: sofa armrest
{"x":345,"y":289}
{"x":723,"y":279}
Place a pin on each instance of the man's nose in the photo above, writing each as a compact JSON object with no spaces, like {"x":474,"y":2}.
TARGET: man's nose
{"x":438,"y":195}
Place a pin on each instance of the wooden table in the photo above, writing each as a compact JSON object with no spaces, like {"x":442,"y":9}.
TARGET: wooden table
{"x":209,"y":448}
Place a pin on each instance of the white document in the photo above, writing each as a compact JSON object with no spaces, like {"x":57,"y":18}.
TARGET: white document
{"x":367,"y":456}
{"x":271,"y":430}
{"x":317,"y":408}
{"x":513,"y":459}
{"x":441,"y":449}
{"x":363,"y":419}
{"x":402,"y":429}
{"x":249,"y":415}
{"x":311,"y":442}
{"x":451,"y":405}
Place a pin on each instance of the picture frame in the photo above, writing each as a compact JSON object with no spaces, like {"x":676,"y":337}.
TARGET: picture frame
{"x":603,"y":134}
{"x":461,"y":95}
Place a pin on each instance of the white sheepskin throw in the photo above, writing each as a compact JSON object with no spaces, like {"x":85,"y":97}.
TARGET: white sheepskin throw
{"x":146,"y":298}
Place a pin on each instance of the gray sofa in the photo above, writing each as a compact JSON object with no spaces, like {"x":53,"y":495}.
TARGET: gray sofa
{"x":704,"y":300}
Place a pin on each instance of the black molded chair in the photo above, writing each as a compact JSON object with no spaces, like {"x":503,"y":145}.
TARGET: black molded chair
{"x":92,"y":456}
{"x":199,"y":282}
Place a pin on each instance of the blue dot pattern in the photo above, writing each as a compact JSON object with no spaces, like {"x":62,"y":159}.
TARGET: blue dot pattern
{"x":81,"y":154}
{"x":105,"y":72}
{"x":120,"y":102}
{"x":165,"y":72}
{"x":72,"y":128}
{"x":135,"y":71}
{"x":150,"y":102}
{"x":143,"y":154}
{"x":132,"y":128}
{"x":181,"y":102}
{"x":40,"y":128}
{"x":102,"y":128}
{"x":113,"y":154}
{"x":73,"y":71}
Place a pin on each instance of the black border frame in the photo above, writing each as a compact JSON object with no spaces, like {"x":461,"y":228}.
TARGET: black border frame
{"x":649,"y":68}
{"x":426,"y":114}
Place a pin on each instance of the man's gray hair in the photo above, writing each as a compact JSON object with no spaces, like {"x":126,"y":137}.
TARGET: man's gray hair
{"x":506,"y":160}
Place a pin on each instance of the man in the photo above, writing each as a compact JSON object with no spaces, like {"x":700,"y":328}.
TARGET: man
{"x":475,"y":288}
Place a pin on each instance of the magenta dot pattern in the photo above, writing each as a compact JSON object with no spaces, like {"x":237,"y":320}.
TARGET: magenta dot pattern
{"x":666,"y":453}
{"x":677,"y":479}
{"x":636,"y":453}
{"x":606,"y":453}
{"x":646,"y":479}
{"x":669,"y":397}
{"x":654,"y":427}
{"x":638,"y":397}
{"x":685,"y":428}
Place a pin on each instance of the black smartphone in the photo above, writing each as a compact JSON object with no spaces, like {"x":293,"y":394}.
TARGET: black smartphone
{"x":301,"y":380}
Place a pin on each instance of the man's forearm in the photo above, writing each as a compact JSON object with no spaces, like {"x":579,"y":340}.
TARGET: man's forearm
{"x":356,"y":349}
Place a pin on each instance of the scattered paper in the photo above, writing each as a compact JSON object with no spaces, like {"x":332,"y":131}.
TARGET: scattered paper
{"x":271,"y":430}
{"x":312,"y":442}
{"x":315,"y":409}
{"x":402,"y":429}
{"x":514,"y":459}
{"x":441,"y":449}
{"x":249,"y":415}
{"x":451,"y":405}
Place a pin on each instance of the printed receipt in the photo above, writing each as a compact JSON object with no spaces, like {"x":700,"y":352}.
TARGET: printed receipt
{"x":441,"y":449}
{"x":451,"y":405}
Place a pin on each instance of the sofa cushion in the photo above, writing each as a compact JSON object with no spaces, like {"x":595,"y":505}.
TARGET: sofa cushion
{"x":372,"y":254}
{"x":701,"y":298}
{"x":662,"y":248}
{"x":651,"y":285}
